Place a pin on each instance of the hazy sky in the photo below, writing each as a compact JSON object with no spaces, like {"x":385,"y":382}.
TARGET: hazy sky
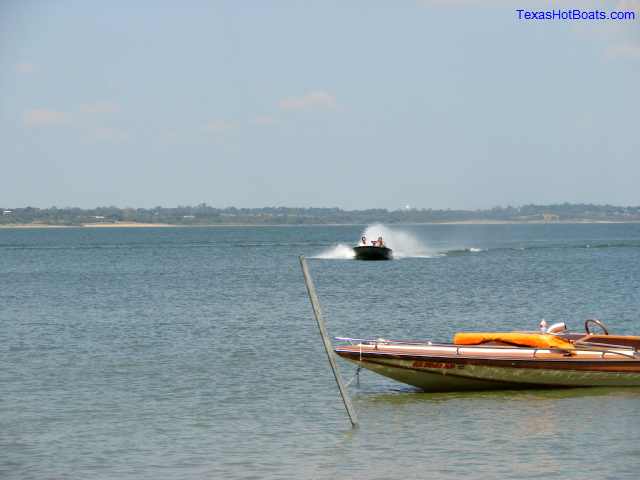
{"x":435,"y":104}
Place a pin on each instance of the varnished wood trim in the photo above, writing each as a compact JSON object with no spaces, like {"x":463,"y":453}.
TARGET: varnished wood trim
{"x":632,"y":366}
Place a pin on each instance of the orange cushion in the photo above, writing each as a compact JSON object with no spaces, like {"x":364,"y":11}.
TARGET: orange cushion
{"x":521,"y":339}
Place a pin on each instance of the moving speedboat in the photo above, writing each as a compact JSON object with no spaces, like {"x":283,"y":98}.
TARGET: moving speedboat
{"x":377,"y":250}
{"x":369,"y":252}
{"x":495,"y":360}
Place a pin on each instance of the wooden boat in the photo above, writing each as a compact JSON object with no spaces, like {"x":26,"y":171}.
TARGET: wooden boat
{"x":370,"y":252}
{"x":481,"y":361}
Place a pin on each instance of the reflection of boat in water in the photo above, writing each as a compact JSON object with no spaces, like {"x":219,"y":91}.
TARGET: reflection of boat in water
{"x":480,"y":361}
{"x":377,"y":250}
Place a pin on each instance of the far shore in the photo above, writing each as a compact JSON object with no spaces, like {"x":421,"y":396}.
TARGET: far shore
{"x":218,"y":225}
{"x":126,"y":225}
{"x":89,"y":225}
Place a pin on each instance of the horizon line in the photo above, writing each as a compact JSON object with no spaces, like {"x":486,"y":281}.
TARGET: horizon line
{"x":282,"y":207}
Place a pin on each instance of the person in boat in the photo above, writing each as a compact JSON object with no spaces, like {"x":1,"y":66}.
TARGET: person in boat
{"x":380,"y":242}
{"x":363,"y":240}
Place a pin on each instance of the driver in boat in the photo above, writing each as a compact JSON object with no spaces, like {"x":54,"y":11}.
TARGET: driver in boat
{"x":380,"y":242}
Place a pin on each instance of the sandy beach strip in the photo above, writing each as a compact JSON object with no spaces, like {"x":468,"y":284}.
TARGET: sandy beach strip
{"x":127,"y":225}
{"x":88,"y":225}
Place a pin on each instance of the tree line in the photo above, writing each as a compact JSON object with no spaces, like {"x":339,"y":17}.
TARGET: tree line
{"x":204,"y":214}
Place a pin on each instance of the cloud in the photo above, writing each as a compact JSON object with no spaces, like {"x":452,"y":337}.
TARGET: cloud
{"x":108,"y":134}
{"x":451,"y":3}
{"x":317,"y":100}
{"x":219,"y":126}
{"x":44,"y":117}
{"x":100,"y":107}
{"x":485,"y":3}
{"x":623,"y":37}
{"x":608,"y":5}
{"x":26,"y":68}
{"x":628,"y":5}
{"x":263,"y":120}
{"x":81,"y":120}
{"x":624,"y":51}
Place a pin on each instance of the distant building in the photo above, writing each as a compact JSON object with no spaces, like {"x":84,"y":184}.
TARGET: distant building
{"x":188,"y":216}
{"x":7,"y":212}
{"x":550,"y":217}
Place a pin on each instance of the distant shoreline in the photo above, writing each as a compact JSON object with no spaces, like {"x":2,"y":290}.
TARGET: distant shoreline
{"x":218,"y":225}
{"x":87,"y":225}
{"x":203,"y":215}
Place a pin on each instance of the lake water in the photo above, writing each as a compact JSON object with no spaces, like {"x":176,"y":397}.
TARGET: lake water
{"x":191,"y":353}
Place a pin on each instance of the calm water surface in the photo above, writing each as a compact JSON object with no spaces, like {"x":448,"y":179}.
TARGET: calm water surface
{"x":193,"y":353}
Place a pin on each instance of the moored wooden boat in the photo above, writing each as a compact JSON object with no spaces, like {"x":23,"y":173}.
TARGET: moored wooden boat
{"x":535,"y":360}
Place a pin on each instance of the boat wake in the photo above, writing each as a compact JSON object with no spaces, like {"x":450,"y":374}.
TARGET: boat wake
{"x":405,"y":245}
{"x":339,"y":252}
{"x":462,"y":251}
{"x":548,"y":246}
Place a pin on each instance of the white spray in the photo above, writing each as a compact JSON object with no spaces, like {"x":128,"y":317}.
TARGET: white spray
{"x":339,"y":252}
{"x":403,"y":244}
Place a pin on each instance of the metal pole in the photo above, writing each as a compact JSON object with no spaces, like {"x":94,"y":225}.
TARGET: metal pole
{"x":315,"y":303}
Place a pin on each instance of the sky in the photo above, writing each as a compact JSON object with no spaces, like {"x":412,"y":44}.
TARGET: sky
{"x":362,"y":104}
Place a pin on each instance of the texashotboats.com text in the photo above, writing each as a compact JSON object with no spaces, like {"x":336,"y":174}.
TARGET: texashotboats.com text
{"x":575,"y":14}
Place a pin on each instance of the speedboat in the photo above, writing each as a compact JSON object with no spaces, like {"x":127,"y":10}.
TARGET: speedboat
{"x":504,"y":360}
{"x":377,"y":250}
{"x":370,"y":252}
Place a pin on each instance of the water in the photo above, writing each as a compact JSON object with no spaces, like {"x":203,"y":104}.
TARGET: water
{"x":192,"y":353}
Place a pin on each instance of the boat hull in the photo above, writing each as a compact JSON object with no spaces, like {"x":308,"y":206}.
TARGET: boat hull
{"x":366,"y":252}
{"x":459,"y":372}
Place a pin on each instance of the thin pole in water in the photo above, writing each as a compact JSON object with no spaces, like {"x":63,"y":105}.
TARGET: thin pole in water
{"x":315,"y":303}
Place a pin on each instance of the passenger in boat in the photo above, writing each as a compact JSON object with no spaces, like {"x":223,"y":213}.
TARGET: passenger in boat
{"x":363,"y":240}
{"x":380,"y":242}
{"x":373,"y":242}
